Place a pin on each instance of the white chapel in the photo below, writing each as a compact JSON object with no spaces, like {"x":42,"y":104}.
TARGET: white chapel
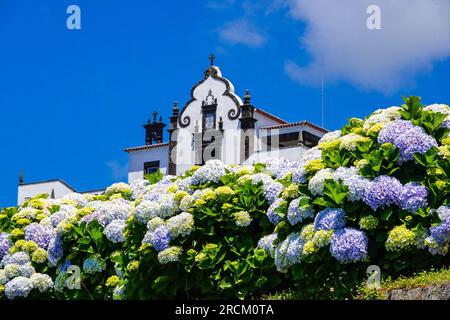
{"x":215,"y":123}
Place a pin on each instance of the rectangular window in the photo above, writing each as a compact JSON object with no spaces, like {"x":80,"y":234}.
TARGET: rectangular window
{"x":210,"y":119}
{"x":309,"y":139}
{"x":151,"y":167}
{"x":284,"y":140}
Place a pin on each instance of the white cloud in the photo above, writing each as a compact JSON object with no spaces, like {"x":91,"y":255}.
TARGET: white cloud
{"x":242,"y":32}
{"x":219,"y":4}
{"x":415,"y":34}
{"x":118,"y":171}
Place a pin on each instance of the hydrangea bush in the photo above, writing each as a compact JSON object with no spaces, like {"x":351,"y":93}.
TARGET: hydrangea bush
{"x":374,"y":192}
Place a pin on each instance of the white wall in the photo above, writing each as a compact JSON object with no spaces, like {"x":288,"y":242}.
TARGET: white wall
{"x":136,"y":161}
{"x":293,"y":153}
{"x":26,"y":191}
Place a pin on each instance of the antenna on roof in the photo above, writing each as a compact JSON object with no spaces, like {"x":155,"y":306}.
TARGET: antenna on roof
{"x":322,"y":94}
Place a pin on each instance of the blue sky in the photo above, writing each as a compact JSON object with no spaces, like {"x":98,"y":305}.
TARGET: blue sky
{"x":71,"y":100}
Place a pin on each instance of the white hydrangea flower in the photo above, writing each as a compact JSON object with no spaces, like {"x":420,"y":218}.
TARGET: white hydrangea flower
{"x":79,"y":199}
{"x":382,"y":116}
{"x":317,"y":182}
{"x":330,"y":136}
{"x":146,"y":210}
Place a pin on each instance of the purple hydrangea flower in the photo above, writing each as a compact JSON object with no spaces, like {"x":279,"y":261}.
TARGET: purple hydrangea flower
{"x":393,"y":130}
{"x":39,"y":233}
{"x":413,"y":197}
{"x":5,"y":244}
{"x":412,"y":141}
{"x":272,"y":191}
{"x":330,"y":219}
{"x":349,"y":245}
{"x":382,"y":191}
{"x":159,"y":238}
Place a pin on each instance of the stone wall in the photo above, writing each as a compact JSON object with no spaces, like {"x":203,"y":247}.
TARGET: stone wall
{"x":433,"y":292}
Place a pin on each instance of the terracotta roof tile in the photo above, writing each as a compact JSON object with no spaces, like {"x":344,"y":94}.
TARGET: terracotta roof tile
{"x":296,"y":124}
{"x":150,"y":146}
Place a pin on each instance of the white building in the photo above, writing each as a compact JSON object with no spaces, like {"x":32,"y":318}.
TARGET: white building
{"x":215,"y":123}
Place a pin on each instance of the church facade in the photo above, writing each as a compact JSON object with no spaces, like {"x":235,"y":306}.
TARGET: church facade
{"x":215,"y":123}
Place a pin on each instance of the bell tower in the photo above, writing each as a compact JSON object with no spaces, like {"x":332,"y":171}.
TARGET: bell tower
{"x":154,"y":130}
{"x":248,"y":122}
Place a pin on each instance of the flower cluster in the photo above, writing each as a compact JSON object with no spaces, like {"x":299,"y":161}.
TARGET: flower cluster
{"x":328,"y":202}
{"x":212,"y":171}
{"x":382,"y":192}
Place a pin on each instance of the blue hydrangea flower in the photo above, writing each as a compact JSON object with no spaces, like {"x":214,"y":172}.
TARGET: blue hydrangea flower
{"x":267,"y":243}
{"x":413,"y":197}
{"x":297,"y":214}
{"x":393,"y":130}
{"x":272,"y":191}
{"x":355,"y":183}
{"x":261,"y":177}
{"x":59,"y":216}
{"x":444,"y":213}
{"x":330,"y":219}
{"x":63,"y":267}
{"x":96,"y":215}
{"x":272,"y":214}
{"x":39,"y":233}
{"x":114,"y":231}
{"x":383,"y":191}
{"x":412,"y":141}
{"x":26,"y":270}
{"x":55,"y":250}
{"x":5,"y":244}
{"x":281,"y":167}
{"x":212,"y":171}
{"x":299,"y":175}
{"x":18,"y":287}
{"x":159,"y":238}
{"x":19,"y":258}
{"x":441,"y":232}
{"x":288,"y":252}
{"x":349,"y":245}
{"x":93,"y":265}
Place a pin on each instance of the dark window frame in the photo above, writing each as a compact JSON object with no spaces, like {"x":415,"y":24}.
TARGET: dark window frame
{"x":151,"y":167}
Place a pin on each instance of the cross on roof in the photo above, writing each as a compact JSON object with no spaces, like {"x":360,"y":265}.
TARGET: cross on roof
{"x":154,"y":113}
{"x":211,"y":59}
